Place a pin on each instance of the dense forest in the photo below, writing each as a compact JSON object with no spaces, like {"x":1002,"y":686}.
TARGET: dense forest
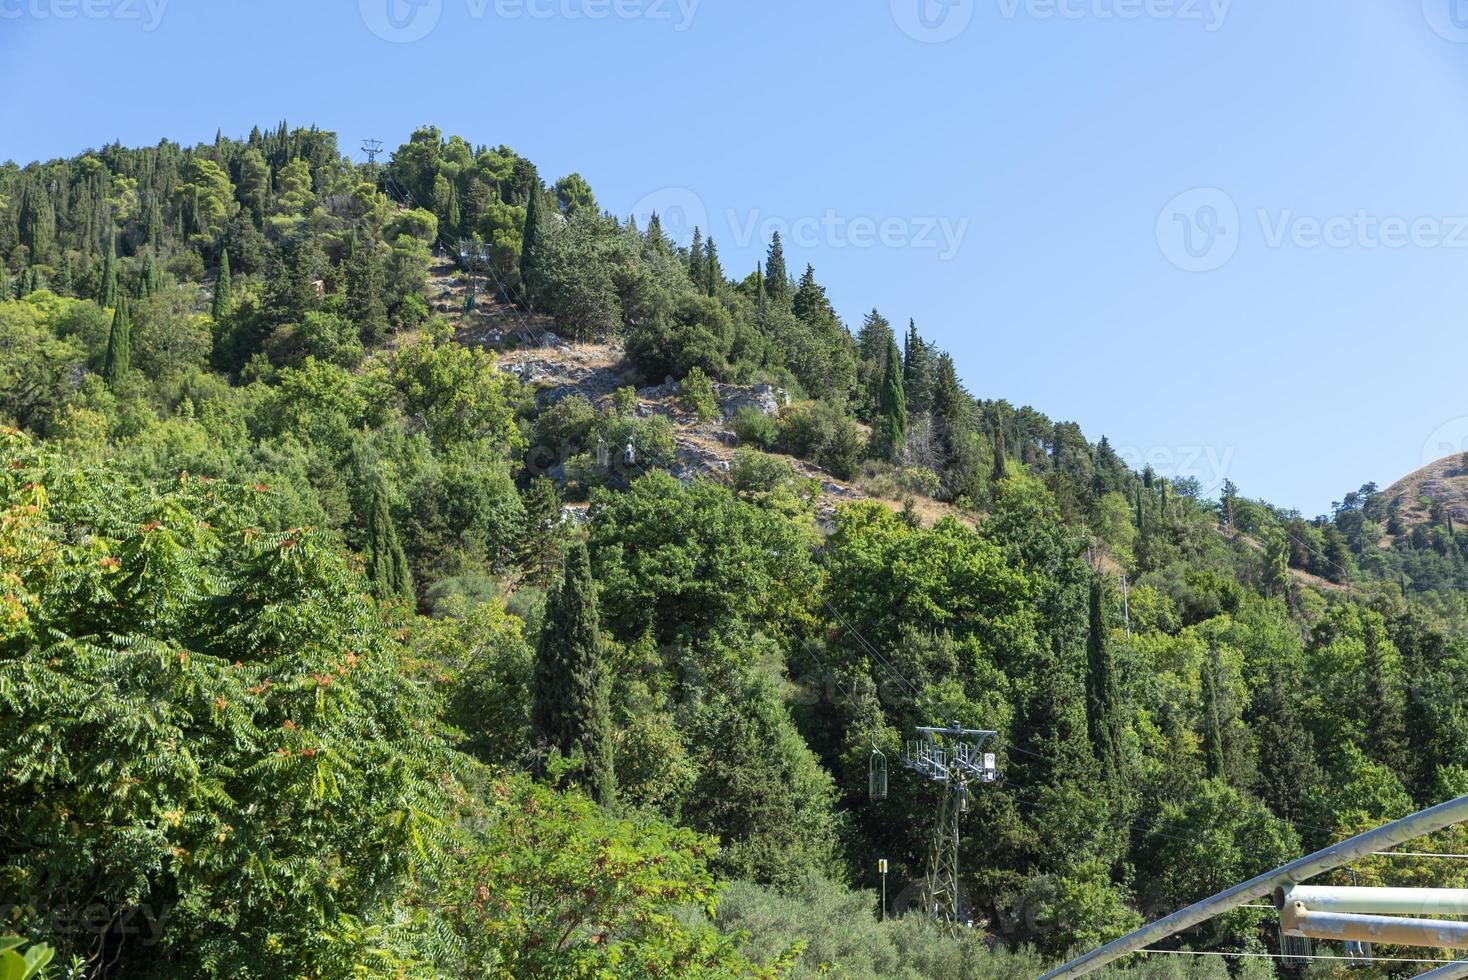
{"x":310,"y":667}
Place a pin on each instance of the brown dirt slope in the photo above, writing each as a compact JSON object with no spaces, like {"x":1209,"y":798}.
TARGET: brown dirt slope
{"x":1445,"y":481}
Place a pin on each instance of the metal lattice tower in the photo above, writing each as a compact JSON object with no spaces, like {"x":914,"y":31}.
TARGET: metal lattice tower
{"x":371,"y":148}
{"x":952,"y":757}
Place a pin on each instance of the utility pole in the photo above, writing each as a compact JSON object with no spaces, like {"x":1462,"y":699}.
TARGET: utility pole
{"x":371,"y":148}
{"x":882,"y":868}
{"x":952,"y":757}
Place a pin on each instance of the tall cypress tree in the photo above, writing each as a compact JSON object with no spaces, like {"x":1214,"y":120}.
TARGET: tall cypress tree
{"x":366,"y":304}
{"x":713,"y":272}
{"x":1103,"y":694}
{"x":695,"y":259}
{"x":569,"y":705}
{"x":917,"y":371}
{"x":1213,"y":719}
{"x":892,"y":406}
{"x":107,"y":289}
{"x":222,"y":287}
{"x":532,"y":247}
{"x":148,"y":281}
{"x":777,"y":279}
{"x":1000,"y":472}
{"x":387,"y":565}
{"x":119,"y":346}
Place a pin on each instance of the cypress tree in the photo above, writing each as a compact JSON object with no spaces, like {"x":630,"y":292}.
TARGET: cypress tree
{"x":107,"y":289}
{"x":655,"y":236}
{"x":64,"y":284}
{"x":917,"y":371}
{"x":222,"y":287}
{"x":148,"y":281}
{"x":713,"y":272}
{"x":1103,"y":695}
{"x":1213,"y":737}
{"x":569,"y":697}
{"x":695,"y":259}
{"x":777,"y":279}
{"x":892,"y":406}
{"x":365,"y":303}
{"x":119,"y":346}
{"x":6,"y":289}
{"x":532,"y":247}
{"x":387,"y":565}
{"x":1000,"y":471}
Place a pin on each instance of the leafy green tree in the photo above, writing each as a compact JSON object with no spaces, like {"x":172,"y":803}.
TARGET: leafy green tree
{"x":570,"y":711}
{"x":573,"y":194}
{"x":119,"y":346}
{"x":366,"y":303}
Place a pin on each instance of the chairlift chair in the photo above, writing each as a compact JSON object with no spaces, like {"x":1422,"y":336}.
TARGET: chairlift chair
{"x":877,"y":775}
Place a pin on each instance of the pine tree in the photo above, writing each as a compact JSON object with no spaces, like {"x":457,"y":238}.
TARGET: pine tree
{"x":532,"y":247}
{"x":107,"y":289}
{"x":119,"y":346}
{"x":777,"y":280}
{"x":655,"y":236}
{"x":219,"y":309}
{"x":569,"y":697}
{"x":892,"y":406}
{"x":1103,"y":693}
{"x":387,"y":565}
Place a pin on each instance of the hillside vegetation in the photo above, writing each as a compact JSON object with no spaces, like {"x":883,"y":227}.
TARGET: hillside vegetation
{"x":345,"y":631}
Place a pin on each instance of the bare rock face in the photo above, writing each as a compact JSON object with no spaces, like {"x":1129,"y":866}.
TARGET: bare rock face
{"x":765,"y":399}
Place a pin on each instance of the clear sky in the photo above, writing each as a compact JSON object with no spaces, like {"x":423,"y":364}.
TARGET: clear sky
{"x":1231,"y":235}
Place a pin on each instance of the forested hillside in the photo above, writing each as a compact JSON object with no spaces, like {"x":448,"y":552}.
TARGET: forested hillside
{"x":329,"y":647}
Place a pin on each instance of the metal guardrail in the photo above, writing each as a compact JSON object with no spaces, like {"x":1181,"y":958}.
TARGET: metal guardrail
{"x":1382,"y":838}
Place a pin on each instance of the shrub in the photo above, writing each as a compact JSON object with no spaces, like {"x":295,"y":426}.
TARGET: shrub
{"x":696,"y":396}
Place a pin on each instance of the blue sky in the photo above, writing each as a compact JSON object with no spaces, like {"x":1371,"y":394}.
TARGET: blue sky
{"x":1231,"y":235}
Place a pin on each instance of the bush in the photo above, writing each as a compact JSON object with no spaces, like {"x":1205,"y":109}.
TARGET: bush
{"x":696,"y":396}
{"x":756,"y":428}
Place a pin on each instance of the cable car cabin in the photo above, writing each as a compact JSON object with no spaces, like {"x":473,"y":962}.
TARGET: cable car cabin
{"x":877,"y":776}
